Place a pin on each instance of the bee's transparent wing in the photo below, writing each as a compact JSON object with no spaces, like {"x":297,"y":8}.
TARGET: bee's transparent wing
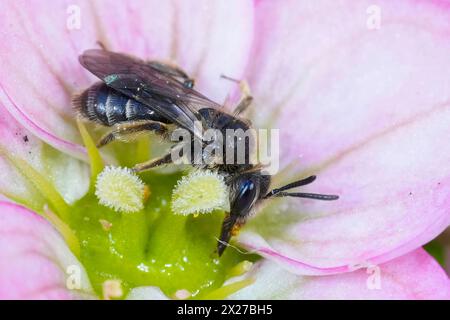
{"x":139,"y":80}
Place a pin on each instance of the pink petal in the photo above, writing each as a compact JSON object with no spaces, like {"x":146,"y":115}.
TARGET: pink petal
{"x":365,"y":110}
{"x":413,"y":276}
{"x":13,"y":142}
{"x":38,"y":52}
{"x":34,"y":258}
{"x":35,"y":55}
{"x":70,"y":176}
{"x":206,"y":38}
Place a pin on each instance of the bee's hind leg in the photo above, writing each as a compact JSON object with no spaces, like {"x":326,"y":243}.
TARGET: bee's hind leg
{"x":130,"y":130}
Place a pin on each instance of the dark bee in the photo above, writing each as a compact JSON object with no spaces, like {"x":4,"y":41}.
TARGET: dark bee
{"x":137,"y":96}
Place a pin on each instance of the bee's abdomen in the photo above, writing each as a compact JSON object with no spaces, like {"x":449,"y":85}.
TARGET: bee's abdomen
{"x":104,"y":105}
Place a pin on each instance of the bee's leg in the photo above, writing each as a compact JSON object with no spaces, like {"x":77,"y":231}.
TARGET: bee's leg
{"x":177,"y":150}
{"x":166,"y":159}
{"x":246,"y":99}
{"x":130,"y":130}
{"x":101,"y":45}
{"x":173,"y":70}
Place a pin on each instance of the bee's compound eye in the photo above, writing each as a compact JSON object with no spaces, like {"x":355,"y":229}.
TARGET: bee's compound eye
{"x":246,"y":188}
{"x":246,"y":197}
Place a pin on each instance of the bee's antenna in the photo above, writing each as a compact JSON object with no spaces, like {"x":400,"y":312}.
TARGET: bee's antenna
{"x":316,"y":196}
{"x":279,"y":192}
{"x":291,"y":185}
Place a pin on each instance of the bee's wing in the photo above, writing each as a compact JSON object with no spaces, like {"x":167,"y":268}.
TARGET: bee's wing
{"x":138,"y":80}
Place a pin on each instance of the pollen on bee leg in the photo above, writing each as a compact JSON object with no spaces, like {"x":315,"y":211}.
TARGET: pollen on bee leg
{"x":120,"y":189}
{"x":236,"y":229}
{"x":201,"y":191}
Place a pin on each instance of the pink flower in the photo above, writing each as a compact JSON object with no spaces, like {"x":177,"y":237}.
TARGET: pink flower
{"x":360,"y":95}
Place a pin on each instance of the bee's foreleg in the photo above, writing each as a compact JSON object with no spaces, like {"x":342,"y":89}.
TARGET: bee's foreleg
{"x":130,"y":130}
{"x":230,"y":228}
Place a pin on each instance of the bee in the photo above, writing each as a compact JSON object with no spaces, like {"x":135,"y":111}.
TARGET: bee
{"x":136,"y":96}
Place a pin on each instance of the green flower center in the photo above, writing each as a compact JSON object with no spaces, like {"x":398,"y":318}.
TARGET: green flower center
{"x":153,"y":246}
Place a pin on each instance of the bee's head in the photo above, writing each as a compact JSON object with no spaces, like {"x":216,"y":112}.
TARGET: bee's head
{"x":248,"y":189}
{"x":245,"y":191}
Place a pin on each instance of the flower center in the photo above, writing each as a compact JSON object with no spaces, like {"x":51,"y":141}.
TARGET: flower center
{"x":151,"y":246}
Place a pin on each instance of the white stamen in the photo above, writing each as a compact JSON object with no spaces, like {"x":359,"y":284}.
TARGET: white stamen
{"x":120,"y":189}
{"x":201,"y":191}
